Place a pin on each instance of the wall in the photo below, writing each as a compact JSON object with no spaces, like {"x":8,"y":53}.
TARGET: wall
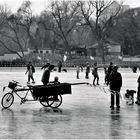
{"x":11,"y":56}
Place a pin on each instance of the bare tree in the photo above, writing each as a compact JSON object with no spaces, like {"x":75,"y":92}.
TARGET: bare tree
{"x":16,"y":33}
{"x":102,"y":12}
{"x":66,"y":18}
{"x":5,"y":33}
{"x":47,"y":29}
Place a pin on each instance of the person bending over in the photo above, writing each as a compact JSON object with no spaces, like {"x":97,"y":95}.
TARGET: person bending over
{"x":46,"y":74}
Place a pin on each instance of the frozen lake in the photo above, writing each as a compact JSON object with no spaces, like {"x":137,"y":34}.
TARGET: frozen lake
{"x":84,"y":114}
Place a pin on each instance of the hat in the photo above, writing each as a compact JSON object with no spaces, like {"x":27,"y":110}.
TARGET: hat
{"x":115,"y":67}
{"x":45,"y":66}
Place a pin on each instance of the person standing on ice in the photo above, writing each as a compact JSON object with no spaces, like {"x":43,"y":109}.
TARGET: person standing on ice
{"x":87,"y":71}
{"x":115,"y":83}
{"x":138,"y":92}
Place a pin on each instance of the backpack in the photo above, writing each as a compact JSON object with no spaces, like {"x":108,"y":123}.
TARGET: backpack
{"x":33,"y":69}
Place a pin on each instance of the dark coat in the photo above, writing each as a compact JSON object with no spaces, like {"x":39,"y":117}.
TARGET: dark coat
{"x":59,"y":64}
{"x":115,"y":81}
{"x":88,"y":69}
{"x":45,"y":77}
{"x":138,"y":81}
{"x":138,"y":92}
{"x":30,"y":65}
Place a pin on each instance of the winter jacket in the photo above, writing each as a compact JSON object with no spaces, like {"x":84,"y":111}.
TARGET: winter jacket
{"x":115,"y":81}
{"x":45,"y":77}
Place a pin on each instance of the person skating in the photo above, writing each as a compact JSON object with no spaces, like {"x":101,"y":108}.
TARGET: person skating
{"x":95,"y":74}
{"x":30,"y":70}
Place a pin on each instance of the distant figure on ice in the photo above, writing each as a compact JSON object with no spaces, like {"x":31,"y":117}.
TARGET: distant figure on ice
{"x":59,"y":66}
{"x":46,"y":74}
{"x":81,"y":66}
{"x":77,"y":71}
{"x":87,"y":71}
{"x":95,"y":74}
{"x":115,"y":82}
{"x":109,"y":70}
{"x":105,"y":71}
{"x":134,"y":69}
{"x":30,"y":70}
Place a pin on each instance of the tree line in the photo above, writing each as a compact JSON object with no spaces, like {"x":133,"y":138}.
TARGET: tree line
{"x":64,"y":24}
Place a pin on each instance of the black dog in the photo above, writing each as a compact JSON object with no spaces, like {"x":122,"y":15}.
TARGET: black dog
{"x":129,"y":95}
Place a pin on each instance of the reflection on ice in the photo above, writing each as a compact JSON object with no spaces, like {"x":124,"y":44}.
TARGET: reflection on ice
{"x":38,"y":122}
{"x":85,"y":114}
{"x":115,"y":124}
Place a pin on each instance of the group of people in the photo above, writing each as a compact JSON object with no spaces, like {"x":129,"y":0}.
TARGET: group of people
{"x":113,"y":78}
{"x":45,"y":76}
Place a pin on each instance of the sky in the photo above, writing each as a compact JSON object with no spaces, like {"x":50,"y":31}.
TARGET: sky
{"x":39,"y":5}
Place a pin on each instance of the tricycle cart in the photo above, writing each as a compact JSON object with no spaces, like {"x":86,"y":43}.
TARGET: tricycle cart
{"x":49,"y":95}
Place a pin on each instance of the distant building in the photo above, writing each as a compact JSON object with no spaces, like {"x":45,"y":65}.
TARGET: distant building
{"x":6,"y":54}
{"x":41,"y":51}
{"x":78,"y":51}
{"x":111,"y":48}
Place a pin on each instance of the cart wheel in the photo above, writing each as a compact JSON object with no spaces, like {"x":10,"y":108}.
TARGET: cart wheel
{"x":7,"y":100}
{"x":43,"y":101}
{"x":54,"y":101}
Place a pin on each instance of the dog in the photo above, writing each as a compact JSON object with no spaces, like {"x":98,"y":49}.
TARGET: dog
{"x":129,"y":96}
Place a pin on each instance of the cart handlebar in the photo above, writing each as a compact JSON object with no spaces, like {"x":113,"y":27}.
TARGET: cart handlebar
{"x":79,"y":83}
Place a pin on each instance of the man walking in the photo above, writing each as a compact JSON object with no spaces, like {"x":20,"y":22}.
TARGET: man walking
{"x":115,"y":82}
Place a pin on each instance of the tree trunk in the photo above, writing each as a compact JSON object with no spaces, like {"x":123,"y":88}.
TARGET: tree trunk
{"x":101,"y":51}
